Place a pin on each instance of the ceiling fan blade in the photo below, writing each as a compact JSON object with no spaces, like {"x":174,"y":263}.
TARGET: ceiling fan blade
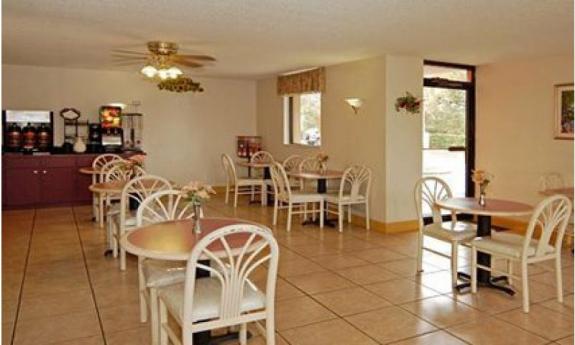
{"x":187,"y":63}
{"x":197,"y":57}
{"x":130,"y":52}
{"x":129,"y":58}
{"x":125,"y":63}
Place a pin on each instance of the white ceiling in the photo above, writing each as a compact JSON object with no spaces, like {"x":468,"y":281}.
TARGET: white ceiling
{"x":254,"y":38}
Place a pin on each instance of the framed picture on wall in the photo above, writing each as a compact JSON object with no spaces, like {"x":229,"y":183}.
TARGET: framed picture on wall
{"x":564,"y":111}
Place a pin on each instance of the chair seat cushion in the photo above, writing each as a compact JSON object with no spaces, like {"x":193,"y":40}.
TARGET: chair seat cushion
{"x":207,"y":295}
{"x":159,"y":273}
{"x":449,"y":231}
{"x":334,"y":198}
{"x":250,"y":182}
{"x":508,"y":245}
{"x":299,"y":196}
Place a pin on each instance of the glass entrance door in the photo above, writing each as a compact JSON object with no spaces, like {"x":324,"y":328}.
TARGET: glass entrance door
{"x":448,"y":135}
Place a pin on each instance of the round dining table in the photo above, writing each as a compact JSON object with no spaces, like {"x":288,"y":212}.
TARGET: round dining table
{"x":174,"y":240}
{"x":492,"y":208}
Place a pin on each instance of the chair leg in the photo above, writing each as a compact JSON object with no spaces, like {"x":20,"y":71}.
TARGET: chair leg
{"x":276,"y":206}
{"x":101,"y":210}
{"x":304,"y":214}
{"x":313,"y":211}
{"x":509,"y":272}
{"x":253,"y":195}
{"x":419,"y":251}
{"x":236,"y":196}
{"x":321,"y":214}
{"x":290,"y":206}
{"x":163,"y":322}
{"x":367,"y":215}
{"x":227,"y":193}
{"x":340,"y":216}
{"x":559,"y":278}
{"x":154,"y":316}
{"x":263,"y":195}
{"x":473,"y":270}
{"x":243,"y":334}
{"x":122,"y":259}
{"x":454,"y":253}
{"x":142,"y":287}
{"x":349,"y":214}
{"x":525,"y":282}
{"x":270,"y":329}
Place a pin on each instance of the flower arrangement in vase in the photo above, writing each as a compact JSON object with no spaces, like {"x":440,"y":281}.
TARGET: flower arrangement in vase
{"x":196,"y":193}
{"x":322,"y":158}
{"x":132,"y":162}
{"x":482,"y":178}
{"x":409,"y":103}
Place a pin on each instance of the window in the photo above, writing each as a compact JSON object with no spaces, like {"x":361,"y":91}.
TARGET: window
{"x":302,"y":119}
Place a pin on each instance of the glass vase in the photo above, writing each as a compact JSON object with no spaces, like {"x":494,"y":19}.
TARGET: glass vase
{"x":482,"y":199}
{"x":197,"y":222}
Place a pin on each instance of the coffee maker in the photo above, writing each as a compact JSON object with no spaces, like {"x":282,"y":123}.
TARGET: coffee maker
{"x":111,"y":133}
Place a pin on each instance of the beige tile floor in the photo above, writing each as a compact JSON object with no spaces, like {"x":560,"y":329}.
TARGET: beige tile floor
{"x":359,"y":287}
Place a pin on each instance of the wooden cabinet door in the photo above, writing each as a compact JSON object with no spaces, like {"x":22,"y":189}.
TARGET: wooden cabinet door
{"x":21,"y":187}
{"x":58,"y":185}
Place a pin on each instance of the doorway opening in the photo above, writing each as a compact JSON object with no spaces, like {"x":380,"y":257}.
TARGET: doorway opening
{"x":449,"y":124}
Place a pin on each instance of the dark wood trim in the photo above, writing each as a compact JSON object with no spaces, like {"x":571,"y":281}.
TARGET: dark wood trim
{"x":470,"y":122}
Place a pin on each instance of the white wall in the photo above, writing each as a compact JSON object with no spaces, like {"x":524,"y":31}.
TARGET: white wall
{"x":403,"y":143}
{"x":515,"y":125}
{"x":347,"y":138}
{"x":184,"y":134}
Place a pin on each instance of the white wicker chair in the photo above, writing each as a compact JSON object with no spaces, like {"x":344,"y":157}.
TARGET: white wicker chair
{"x":97,"y":202}
{"x":427,"y":191}
{"x":226,"y":297}
{"x":310,"y":164}
{"x":161,"y":206}
{"x":292,"y":164}
{"x":136,"y":190}
{"x":551,"y":216}
{"x":354,"y":189}
{"x":241,"y":186}
{"x":262,"y":157}
{"x":285,"y":195}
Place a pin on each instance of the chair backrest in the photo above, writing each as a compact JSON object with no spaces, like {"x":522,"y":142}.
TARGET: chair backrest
{"x":163,"y":206}
{"x":229,"y":169}
{"x":309,"y":164}
{"x":292,"y":162}
{"x":356,"y":181}
{"x":262,"y":157}
{"x":100,"y":160}
{"x":551,"y":180}
{"x":234,"y":252}
{"x":108,"y":166}
{"x":119,"y":172}
{"x":428,"y":190}
{"x":138,"y":189}
{"x":551,"y":216}
{"x":282,"y":189}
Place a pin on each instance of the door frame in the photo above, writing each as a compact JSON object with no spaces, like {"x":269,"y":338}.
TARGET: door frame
{"x":469,"y":87}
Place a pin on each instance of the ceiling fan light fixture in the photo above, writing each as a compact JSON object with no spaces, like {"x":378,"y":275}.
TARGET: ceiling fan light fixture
{"x":174,"y":72}
{"x":149,"y":71}
{"x":163,"y":74}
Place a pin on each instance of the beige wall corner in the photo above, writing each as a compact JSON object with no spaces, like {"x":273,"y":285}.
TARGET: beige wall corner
{"x":403,"y":138}
{"x":515,"y":108}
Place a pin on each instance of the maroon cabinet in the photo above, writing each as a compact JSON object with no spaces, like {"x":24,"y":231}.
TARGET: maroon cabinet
{"x":35,"y":181}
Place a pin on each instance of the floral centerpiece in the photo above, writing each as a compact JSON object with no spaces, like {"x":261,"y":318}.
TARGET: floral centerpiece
{"x":409,"y":103}
{"x":132,"y":162}
{"x":322,"y":158}
{"x":196,"y":193}
{"x":481,"y":178}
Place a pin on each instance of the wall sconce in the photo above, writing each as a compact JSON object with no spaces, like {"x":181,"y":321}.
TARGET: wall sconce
{"x":355,"y":103}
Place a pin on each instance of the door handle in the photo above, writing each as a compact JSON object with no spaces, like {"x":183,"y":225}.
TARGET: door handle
{"x":35,"y":171}
{"x":44,"y":171}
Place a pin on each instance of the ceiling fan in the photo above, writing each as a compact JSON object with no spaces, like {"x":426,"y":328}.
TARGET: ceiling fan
{"x":160,"y":63}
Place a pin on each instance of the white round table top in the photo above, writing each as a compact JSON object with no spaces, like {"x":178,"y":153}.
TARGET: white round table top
{"x":174,"y":240}
{"x":258,"y":165}
{"x":493,"y":207}
{"x":89,"y":170}
{"x":317,"y":175}
{"x":567,"y":191}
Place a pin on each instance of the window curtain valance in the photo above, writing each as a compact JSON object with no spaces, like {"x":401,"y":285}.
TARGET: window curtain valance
{"x":307,"y":81}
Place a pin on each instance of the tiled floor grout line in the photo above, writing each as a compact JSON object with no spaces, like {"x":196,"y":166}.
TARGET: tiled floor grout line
{"x":92,"y":292}
{"x":28,"y":252}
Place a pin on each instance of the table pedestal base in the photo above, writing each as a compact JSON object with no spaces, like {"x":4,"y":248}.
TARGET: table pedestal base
{"x":326,"y":222}
{"x":490,"y":283}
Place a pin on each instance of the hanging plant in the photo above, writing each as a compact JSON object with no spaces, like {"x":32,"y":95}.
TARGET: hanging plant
{"x":409,"y":103}
{"x":180,"y":84}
